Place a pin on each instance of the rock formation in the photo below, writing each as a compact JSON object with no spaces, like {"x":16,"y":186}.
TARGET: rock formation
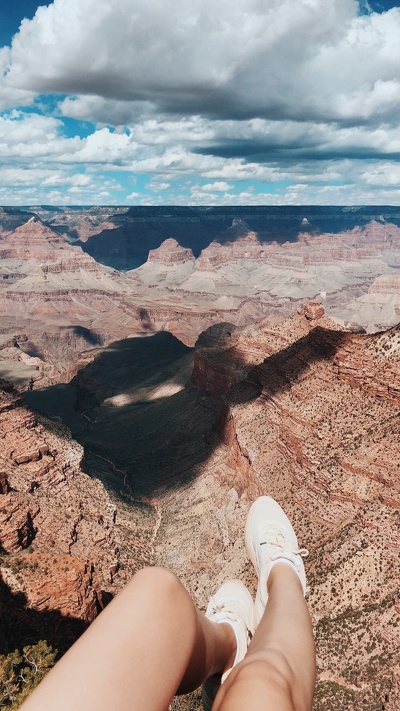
{"x":312,"y":419}
{"x":299,"y":409}
{"x":64,"y":302}
{"x":136,"y":230}
{"x":377,"y":308}
{"x":62,"y":537}
{"x":170,"y":252}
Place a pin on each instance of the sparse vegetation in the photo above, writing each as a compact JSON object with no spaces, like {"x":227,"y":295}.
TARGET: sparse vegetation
{"x":21,"y":671}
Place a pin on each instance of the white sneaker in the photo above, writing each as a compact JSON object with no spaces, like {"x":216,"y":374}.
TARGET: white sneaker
{"x":270,"y":538}
{"x":232,"y":604}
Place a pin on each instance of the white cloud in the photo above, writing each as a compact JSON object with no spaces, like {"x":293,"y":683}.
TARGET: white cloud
{"x":9,"y":95}
{"x":263,"y":92}
{"x":79,"y":180}
{"x":103,"y":111}
{"x":32,"y":136}
{"x":104,"y":146}
{"x":219,"y":186}
{"x":157,"y":185}
{"x":382,"y":174}
{"x":22,"y":176}
{"x":264,"y":59}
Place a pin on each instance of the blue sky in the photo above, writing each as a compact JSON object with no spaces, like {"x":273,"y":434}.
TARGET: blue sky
{"x":208,"y":102}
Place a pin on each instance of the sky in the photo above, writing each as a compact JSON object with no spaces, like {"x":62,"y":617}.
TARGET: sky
{"x":200,"y":102}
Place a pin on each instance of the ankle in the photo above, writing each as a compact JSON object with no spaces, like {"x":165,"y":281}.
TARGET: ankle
{"x":228,"y":642}
{"x":283,"y":572}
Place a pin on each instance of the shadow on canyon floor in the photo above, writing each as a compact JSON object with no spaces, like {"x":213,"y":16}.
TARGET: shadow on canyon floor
{"x":145,"y":429}
{"x":142,"y":430}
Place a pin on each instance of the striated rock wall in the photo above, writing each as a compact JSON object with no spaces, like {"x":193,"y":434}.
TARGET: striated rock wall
{"x":212,"y":374}
{"x":52,"y":582}
{"x":356,"y":359}
{"x":385,"y":285}
{"x":322,"y":438}
{"x":49,"y":286}
{"x":294,"y":421}
{"x":170,"y":252}
{"x":64,"y":541}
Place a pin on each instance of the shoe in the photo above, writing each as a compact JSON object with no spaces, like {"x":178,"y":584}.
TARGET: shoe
{"x":269,"y":538}
{"x":233,"y":605}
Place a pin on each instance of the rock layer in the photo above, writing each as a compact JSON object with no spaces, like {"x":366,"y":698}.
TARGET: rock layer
{"x":64,"y":301}
{"x":63,"y":538}
{"x":170,"y":252}
{"x":312,"y":420}
{"x":299,"y":409}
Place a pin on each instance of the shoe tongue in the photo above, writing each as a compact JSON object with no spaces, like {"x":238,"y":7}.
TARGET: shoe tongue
{"x":274,"y":537}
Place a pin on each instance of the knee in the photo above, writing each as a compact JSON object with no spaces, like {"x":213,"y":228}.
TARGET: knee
{"x":159,"y":593}
{"x":156,"y":577}
{"x":267,"y":671}
{"x":159,"y":587}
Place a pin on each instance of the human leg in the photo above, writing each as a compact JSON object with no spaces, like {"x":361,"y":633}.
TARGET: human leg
{"x":232,"y":604}
{"x":146,"y":645}
{"x":278,"y":672}
{"x":152,"y":642}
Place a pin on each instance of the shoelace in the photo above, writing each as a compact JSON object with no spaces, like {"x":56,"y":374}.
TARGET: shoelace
{"x":231,"y":615}
{"x":275,"y":537}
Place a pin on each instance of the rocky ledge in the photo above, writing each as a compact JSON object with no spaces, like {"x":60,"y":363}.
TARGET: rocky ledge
{"x":309,"y":414}
{"x":66,"y":545}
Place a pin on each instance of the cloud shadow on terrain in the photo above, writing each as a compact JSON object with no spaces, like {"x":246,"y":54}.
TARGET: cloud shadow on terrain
{"x":144,"y":428}
{"x":280,"y":370}
{"x":141,"y":228}
{"x":143,"y":431}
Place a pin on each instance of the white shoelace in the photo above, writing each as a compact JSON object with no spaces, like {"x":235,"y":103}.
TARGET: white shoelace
{"x":274,"y":536}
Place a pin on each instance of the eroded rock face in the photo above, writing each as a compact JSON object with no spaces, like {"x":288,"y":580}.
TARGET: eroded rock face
{"x":385,"y":285}
{"x":16,"y":523}
{"x":314,"y":422}
{"x":4,"y":484}
{"x":64,"y":302}
{"x":170,"y":252}
{"x":313,"y":310}
{"x":61,"y":583}
{"x":306,"y":412}
{"x":60,"y":532}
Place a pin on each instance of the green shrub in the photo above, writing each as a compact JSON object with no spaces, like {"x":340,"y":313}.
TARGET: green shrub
{"x":20,"y":672}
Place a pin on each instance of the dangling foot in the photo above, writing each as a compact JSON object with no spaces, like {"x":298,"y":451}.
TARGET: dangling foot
{"x":270,"y":539}
{"x":232,"y":604}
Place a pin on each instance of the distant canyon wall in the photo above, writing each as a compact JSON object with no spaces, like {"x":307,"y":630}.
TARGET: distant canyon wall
{"x":56,"y":301}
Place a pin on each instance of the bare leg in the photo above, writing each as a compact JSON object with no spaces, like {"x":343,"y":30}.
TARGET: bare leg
{"x":146,"y":645}
{"x":278,"y":671}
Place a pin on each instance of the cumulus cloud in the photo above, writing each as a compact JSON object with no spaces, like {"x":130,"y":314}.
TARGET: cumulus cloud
{"x":383,"y":174}
{"x":29,"y":135}
{"x":232,"y":93}
{"x":223,"y":60}
{"x":219,"y":186}
{"x":77,"y":181}
{"x":103,"y":111}
{"x":9,"y":95}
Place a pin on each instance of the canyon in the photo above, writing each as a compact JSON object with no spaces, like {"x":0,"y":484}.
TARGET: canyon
{"x":57,"y":301}
{"x":299,"y":409}
{"x":192,"y":384}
